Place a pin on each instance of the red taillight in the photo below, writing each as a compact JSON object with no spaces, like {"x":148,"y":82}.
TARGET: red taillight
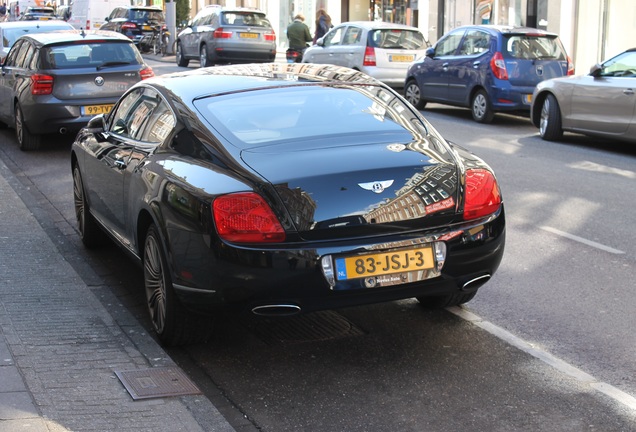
{"x":498,"y":66}
{"x":369,"y":57}
{"x":482,"y":194}
{"x":88,"y":25}
{"x":221,"y":33}
{"x":270,"y":36}
{"x":146,"y":73}
{"x":41,"y":84}
{"x":246,"y":218}
{"x":570,"y":66}
{"x":128,"y":26}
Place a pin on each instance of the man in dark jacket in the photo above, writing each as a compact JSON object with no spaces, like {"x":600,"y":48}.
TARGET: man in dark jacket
{"x":298,"y":34}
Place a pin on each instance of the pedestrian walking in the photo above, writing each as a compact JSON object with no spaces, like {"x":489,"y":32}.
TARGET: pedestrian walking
{"x":323,"y":24}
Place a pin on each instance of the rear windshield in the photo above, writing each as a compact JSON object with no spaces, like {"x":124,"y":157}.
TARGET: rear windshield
{"x":397,"y":39}
{"x":245,"y":18}
{"x":141,"y":15}
{"x":91,"y":55}
{"x":534,"y":47}
{"x":303,"y":113}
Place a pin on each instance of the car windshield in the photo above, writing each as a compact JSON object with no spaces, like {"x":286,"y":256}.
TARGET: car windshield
{"x":91,"y":55}
{"x":301,"y":113}
{"x":245,"y":18}
{"x":397,"y":39}
{"x":534,"y":47}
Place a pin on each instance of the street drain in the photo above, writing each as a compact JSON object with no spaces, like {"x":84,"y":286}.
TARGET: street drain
{"x":316,"y":326}
{"x":157,"y":382}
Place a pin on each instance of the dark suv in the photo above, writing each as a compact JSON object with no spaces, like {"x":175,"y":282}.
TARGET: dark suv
{"x":227,"y":35}
{"x":135,"y":22}
{"x":487,"y":68}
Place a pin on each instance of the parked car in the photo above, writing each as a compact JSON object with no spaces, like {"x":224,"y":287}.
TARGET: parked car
{"x":379,"y":49}
{"x":55,"y":82}
{"x":487,"y":68}
{"x":10,"y":31}
{"x":41,"y":13}
{"x":598,"y":104}
{"x":90,"y":14}
{"x":226,"y":35}
{"x":280,"y":189}
{"x":135,"y":22}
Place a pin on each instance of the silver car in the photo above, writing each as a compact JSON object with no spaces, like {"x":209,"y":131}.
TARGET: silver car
{"x":10,"y":31}
{"x":598,"y":104}
{"x":381,"y":50}
{"x":56,"y":82}
{"x":226,"y":35}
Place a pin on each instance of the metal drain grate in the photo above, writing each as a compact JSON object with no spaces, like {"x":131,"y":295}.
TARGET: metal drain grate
{"x":316,"y":326}
{"x":157,"y":382}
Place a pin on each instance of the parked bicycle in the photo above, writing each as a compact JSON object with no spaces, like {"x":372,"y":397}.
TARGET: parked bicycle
{"x":157,"y":42}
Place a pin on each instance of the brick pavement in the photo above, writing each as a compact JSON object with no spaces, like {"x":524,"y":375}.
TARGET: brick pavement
{"x":59,"y":346}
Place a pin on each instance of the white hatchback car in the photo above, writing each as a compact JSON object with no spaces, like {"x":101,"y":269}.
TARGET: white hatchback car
{"x":381,"y":50}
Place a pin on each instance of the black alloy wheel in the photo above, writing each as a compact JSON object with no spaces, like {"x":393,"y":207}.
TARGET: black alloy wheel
{"x":89,"y":231}
{"x":26,"y":140}
{"x":550,"y":120}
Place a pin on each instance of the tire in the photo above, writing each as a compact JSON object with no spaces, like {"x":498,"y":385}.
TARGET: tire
{"x":203,"y":56}
{"x":181,"y":60}
{"x":89,"y":231}
{"x":26,"y":140}
{"x":172,"y":323}
{"x":550,"y":120}
{"x":164,"y":45}
{"x":441,"y":302}
{"x":480,"y":108}
{"x":413,"y":94}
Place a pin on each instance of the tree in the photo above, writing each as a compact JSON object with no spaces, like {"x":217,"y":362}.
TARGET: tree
{"x":182,"y":12}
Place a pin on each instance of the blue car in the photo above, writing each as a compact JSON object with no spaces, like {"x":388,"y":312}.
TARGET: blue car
{"x":487,"y":68}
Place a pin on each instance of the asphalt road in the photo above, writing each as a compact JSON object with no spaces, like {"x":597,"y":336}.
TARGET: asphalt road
{"x":547,"y":345}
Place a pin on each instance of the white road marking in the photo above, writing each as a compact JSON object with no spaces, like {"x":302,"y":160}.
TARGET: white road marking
{"x":614,"y":393}
{"x":582,"y":240}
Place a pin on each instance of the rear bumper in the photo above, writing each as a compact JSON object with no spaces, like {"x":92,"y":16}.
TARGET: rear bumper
{"x":51,"y":116}
{"x":506,"y":98}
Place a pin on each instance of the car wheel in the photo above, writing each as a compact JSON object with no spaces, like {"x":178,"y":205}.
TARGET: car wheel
{"x":440,"y":302}
{"x":480,"y":107}
{"x":181,"y":60}
{"x":172,"y":323}
{"x":203,"y":56}
{"x":90,"y":233}
{"x":26,"y":140}
{"x":550,"y":121}
{"x":413,"y":95}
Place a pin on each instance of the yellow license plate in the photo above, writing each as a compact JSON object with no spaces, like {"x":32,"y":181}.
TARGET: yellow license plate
{"x":96,"y":109}
{"x":384,"y":263}
{"x":146,"y":28}
{"x":248,"y":35}
{"x":401,"y":58}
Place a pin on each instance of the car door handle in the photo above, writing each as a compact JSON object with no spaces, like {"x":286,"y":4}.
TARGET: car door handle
{"x":476,"y":64}
{"x":445,"y":66}
{"x":628,"y":91}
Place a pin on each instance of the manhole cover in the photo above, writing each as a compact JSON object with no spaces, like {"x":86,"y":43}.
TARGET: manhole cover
{"x":316,"y":326}
{"x":157,"y":382}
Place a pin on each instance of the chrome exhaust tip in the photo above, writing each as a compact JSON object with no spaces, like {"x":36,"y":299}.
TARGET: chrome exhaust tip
{"x":276,"y":310}
{"x":63,"y":130}
{"x":476,"y":282}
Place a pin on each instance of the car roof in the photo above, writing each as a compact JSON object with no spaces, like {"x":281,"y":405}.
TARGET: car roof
{"x":507,"y":29}
{"x":199,"y":83}
{"x":62,"y":36}
{"x":31,"y":24}
{"x":150,"y":8}
{"x":232,"y":9}
{"x":377,"y":25}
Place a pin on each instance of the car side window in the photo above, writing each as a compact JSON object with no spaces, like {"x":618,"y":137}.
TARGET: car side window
{"x":120,"y":121}
{"x":13,"y":54}
{"x":334,"y":37}
{"x":476,"y":42}
{"x":160,"y":121}
{"x":352,"y":36}
{"x":448,"y":45}
{"x":622,"y":66}
{"x":20,"y":60}
{"x":33,"y":64}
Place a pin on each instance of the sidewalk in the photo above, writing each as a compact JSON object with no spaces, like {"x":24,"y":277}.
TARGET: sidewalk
{"x":60,"y":347}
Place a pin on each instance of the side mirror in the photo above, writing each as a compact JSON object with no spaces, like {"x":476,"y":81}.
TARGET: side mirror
{"x":96,"y":124}
{"x":430,"y":52}
{"x":596,"y":70}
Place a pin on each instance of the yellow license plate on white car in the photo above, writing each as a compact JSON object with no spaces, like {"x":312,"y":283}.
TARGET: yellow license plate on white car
{"x":401,"y":58}
{"x":92,"y":110}
{"x":385,"y":263}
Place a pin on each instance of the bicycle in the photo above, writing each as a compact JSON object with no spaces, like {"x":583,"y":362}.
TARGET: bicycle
{"x":158,"y":42}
